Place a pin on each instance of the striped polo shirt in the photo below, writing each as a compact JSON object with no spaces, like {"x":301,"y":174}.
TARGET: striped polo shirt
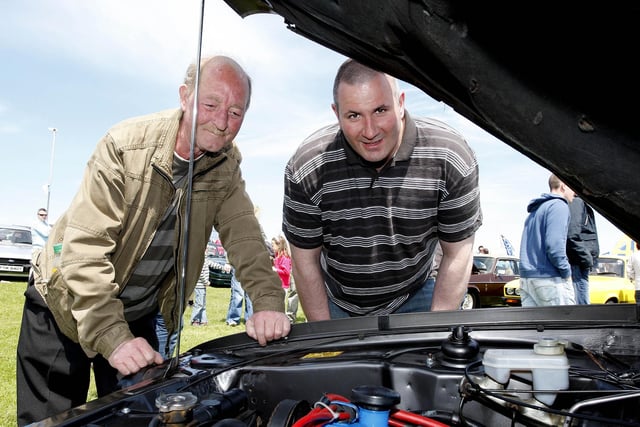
{"x":378,"y":230}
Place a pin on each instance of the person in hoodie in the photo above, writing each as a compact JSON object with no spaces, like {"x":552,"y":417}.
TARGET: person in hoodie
{"x":545,"y":272}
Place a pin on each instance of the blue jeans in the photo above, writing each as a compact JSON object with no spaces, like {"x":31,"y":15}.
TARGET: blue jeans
{"x":580,"y":278}
{"x":545,"y":291}
{"x":162,"y":334}
{"x":199,"y":310}
{"x":418,"y":302}
{"x":235,"y":303}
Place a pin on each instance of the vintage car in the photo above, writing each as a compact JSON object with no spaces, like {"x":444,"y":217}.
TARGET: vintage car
{"x":556,"y":81}
{"x":608,"y":284}
{"x":219,"y":271}
{"x":488,"y":277}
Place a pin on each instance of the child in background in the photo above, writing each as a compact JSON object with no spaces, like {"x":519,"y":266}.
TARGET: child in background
{"x":282,"y":265}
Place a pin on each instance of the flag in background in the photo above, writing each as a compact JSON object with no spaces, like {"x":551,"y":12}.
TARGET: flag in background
{"x":508,"y":247}
{"x":624,"y":247}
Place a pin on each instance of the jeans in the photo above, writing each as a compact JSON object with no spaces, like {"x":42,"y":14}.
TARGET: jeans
{"x":235,"y":303}
{"x":292,"y":303}
{"x":545,"y":291}
{"x":199,"y":309}
{"x":162,"y":334}
{"x":580,"y":277}
{"x":418,"y":302}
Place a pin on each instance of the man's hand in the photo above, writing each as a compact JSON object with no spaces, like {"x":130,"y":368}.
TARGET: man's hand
{"x":267,"y":326}
{"x":133,"y":355}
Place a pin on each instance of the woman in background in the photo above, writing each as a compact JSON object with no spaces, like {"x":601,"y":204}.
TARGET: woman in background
{"x":282,"y":265}
{"x":282,"y":260}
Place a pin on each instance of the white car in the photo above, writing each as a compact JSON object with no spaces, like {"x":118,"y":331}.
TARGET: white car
{"x":15,"y":252}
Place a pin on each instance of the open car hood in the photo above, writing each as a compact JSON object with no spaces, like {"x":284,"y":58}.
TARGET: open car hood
{"x":554,"y":80}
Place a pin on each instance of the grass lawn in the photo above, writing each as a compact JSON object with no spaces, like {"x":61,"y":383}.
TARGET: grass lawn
{"x":12,"y":295}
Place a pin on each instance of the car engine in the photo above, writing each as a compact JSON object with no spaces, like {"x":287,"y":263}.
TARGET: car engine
{"x":457,"y":377}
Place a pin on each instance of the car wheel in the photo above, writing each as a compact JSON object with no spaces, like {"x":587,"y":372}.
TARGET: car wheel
{"x":469,"y":302}
{"x":611,"y":301}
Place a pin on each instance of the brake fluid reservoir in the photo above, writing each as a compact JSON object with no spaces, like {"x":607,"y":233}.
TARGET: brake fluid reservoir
{"x":547,"y":363}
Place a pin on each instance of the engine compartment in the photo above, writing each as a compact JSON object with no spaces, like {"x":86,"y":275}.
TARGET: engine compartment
{"x":436,"y":379}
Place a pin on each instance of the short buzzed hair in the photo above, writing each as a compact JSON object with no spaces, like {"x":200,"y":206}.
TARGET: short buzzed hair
{"x":554,"y":182}
{"x":352,"y":72}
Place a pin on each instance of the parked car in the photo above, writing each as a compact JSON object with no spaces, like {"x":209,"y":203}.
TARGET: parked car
{"x":219,"y":277}
{"x":219,"y":274}
{"x":608,"y":284}
{"x":15,"y":252}
{"x":486,"y":282}
{"x":554,"y":81}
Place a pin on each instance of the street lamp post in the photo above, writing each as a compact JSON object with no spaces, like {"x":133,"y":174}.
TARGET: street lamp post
{"x":53,"y":147}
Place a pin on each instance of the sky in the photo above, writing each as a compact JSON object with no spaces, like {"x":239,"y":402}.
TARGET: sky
{"x":81,"y":66}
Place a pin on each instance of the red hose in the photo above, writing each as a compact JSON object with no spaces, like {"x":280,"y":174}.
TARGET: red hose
{"x":320,"y":415}
{"x":403,"y":417}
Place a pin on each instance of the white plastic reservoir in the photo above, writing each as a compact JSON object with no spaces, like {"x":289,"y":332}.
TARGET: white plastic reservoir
{"x":547,"y":363}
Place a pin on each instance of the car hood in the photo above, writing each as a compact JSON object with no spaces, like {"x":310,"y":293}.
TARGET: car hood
{"x":554,"y":81}
{"x":15,"y":250}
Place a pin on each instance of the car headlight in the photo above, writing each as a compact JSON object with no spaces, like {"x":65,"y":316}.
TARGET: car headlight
{"x":512,"y":291}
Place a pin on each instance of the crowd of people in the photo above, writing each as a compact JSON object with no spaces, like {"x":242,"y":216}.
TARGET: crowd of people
{"x":240,"y":301}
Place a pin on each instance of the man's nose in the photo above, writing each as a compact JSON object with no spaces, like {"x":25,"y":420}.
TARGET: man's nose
{"x":220,"y":119}
{"x":369,"y":129}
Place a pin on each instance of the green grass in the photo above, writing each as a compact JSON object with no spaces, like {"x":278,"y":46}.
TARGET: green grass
{"x":11,"y":293}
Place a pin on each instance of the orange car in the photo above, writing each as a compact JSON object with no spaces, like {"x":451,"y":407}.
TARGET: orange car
{"x":486,"y":283}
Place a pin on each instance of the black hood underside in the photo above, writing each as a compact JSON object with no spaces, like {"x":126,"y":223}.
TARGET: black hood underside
{"x":554,"y":80}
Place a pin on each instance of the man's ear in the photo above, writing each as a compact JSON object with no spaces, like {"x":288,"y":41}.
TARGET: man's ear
{"x":401,"y":104}
{"x":334,"y":107}
{"x":183,"y":93}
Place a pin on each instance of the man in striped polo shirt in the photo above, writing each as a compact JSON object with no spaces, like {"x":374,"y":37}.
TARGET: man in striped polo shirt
{"x":368,"y":199}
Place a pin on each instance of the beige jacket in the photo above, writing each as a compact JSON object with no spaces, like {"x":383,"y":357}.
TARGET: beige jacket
{"x":126,"y":189}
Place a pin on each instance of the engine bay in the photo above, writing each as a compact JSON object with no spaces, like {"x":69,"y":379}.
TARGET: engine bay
{"x":453,"y":378}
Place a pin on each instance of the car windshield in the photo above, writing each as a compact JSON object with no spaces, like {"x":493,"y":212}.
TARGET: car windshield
{"x":15,"y":235}
{"x":609,"y":267}
{"x":483,"y":263}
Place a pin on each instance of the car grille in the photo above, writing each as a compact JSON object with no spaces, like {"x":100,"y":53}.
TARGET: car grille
{"x":11,"y":266}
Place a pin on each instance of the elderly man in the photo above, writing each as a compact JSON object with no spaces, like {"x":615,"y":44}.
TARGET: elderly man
{"x":122,"y":245}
